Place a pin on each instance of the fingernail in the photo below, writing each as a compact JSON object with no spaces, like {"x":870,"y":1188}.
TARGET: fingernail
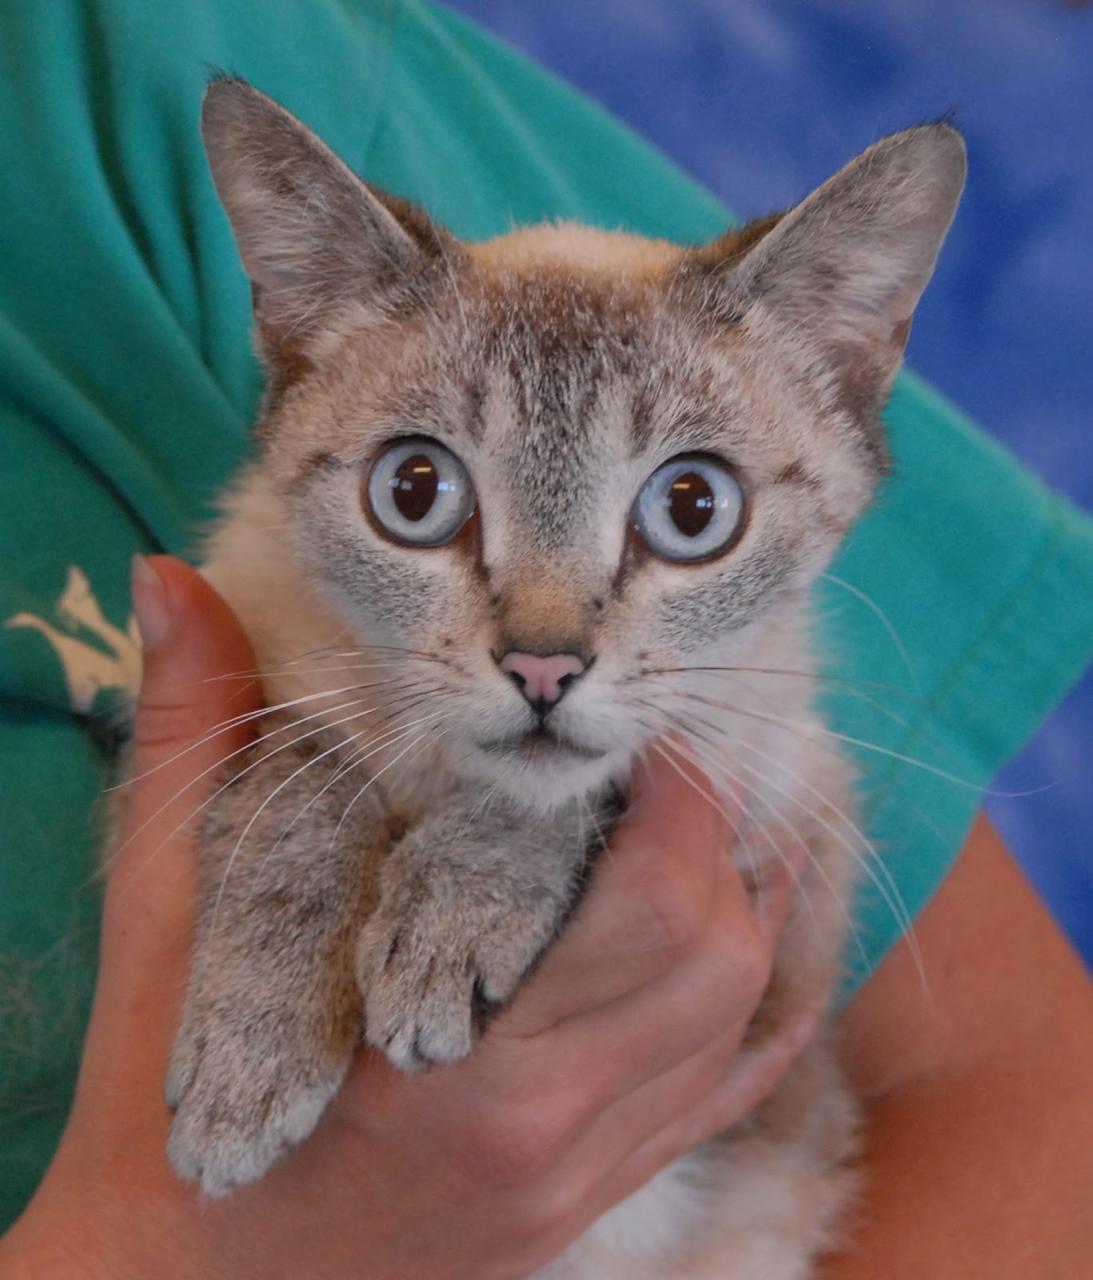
{"x":149,"y":603}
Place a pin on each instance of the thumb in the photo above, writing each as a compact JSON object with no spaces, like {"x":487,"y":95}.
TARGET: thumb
{"x":196,"y":699}
{"x":198,"y":679}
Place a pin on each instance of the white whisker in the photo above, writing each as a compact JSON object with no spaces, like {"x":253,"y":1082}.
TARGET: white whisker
{"x":376,"y":776}
{"x":249,"y":746}
{"x":253,"y":765}
{"x":712,"y":801}
{"x":248,"y":717}
{"x":884,"y":620}
{"x":798,"y":839}
{"x":271,"y":797}
{"x":806,"y":728}
{"x":874,"y":868}
{"x":360,"y":754}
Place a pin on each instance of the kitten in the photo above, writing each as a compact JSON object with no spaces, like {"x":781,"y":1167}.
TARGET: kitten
{"x":519,"y":508}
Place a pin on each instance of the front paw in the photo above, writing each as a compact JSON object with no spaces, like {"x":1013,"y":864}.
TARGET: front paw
{"x":434,"y":959}
{"x":242,"y":1094}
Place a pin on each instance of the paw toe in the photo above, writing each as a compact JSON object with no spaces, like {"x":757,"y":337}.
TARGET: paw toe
{"x":226,"y":1139}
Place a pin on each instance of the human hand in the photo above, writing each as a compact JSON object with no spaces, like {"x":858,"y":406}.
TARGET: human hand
{"x":620,"y":1053}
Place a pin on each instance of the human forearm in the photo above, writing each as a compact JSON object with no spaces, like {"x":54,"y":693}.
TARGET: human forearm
{"x":975,"y":1059}
{"x":981,"y":1175}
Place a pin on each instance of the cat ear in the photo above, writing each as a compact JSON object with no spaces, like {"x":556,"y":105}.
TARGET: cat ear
{"x":845,"y":268}
{"x":311,"y":234}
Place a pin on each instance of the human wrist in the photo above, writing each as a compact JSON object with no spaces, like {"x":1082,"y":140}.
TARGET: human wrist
{"x":35,"y":1250}
{"x":96,"y":1236}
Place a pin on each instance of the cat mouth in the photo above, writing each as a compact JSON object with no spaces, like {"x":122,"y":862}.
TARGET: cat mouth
{"x":539,"y":744}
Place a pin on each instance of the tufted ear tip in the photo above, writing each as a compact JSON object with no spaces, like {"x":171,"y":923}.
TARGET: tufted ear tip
{"x":842,"y":272}
{"x":228,"y":101}
{"x":945,"y":144}
{"x":313,"y":237}
{"x":933,"y":157}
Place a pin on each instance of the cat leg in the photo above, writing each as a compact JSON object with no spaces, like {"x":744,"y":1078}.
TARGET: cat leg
{"x":468,"y":901}
{"x":272,"y":1013}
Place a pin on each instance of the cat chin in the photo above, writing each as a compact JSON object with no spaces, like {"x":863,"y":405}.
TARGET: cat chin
{"x":543,"y":783}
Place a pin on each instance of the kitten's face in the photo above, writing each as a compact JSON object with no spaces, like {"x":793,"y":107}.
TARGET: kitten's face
{"x":563,"y":466}
{"x":625,"y":484}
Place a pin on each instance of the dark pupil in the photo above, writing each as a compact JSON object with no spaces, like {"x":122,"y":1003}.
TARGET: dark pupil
{"x":414,"y":486}
{"x":690,"y":503}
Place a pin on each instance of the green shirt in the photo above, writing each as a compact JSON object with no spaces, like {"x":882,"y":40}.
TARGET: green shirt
{"x":127,"y":384}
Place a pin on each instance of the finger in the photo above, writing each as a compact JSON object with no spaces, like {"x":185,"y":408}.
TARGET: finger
{"x":191,"y":639}
{"x":712,"y":990}
{"x":704,"y":1096}
{"x":195,"y":662}
{"x":777,"y":894}
{"x":650,"y":898}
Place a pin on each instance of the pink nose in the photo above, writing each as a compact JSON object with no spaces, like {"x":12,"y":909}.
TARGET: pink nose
{"x":542,"y":680}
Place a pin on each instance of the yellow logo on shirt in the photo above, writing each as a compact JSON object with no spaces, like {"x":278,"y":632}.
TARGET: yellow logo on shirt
{"x":88,"y":668}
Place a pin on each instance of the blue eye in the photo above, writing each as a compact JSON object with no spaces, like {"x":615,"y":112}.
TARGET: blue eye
{"x":691,"y":508}
{"x":419,"y":492}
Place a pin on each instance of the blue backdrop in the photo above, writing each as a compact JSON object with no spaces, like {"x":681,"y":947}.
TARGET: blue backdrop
{"x":763,"y":99}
